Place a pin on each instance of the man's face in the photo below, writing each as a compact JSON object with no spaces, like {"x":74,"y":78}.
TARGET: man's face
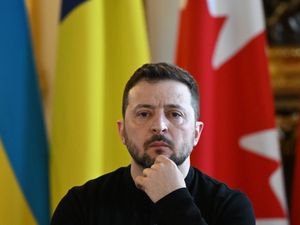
{"x":159,"y":119}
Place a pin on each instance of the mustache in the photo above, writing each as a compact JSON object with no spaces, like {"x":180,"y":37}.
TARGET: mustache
{"x":158,"y":138}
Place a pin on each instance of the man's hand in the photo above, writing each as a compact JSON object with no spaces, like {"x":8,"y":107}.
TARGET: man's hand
{"x":161,"y":179}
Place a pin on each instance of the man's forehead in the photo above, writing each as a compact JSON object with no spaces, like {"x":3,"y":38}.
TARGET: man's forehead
{"x":166,"y":88}
{"x":167,"y":94}
{"x":163,"y":86}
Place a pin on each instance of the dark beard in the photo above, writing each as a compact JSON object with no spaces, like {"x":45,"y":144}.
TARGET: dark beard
{"x":146,"y":161}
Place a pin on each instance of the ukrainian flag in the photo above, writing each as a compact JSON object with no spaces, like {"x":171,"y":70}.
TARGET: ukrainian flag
{"x":23,"y":144}
{"x":101,"y":43}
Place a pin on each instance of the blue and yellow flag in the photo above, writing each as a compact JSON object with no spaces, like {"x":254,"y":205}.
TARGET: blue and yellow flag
{"x":23,"y":146}
{"x":101,"y":43}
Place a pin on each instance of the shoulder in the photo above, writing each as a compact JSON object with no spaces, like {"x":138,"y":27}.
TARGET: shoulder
{"x":103,"y":180}
{"x":214,"y":196}
{"x":97,"y":190}
{"x":85,"y":201}
{"x":213,"y":186}
{"x":103,"y":184}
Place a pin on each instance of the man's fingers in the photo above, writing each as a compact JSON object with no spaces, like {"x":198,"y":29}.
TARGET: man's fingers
{"x":156,"y":165}
{"x":146,"y":172}
{"x":161,"y":159}
{"x":164,"y":160}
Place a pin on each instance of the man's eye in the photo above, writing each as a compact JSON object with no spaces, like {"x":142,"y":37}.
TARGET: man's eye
{"x":176,"y":114}
{"x":143,"y":114}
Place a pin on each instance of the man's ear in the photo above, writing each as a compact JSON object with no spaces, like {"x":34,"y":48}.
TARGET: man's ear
{"x":121,"y":129}
{"x":198,"y":131}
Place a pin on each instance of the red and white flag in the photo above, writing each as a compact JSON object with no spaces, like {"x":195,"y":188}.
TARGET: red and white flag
{"x":295,"y":198}
{"x":222,"y":43}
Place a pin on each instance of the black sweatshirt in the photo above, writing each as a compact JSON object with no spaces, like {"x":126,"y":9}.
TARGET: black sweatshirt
{"x":113,"y":199}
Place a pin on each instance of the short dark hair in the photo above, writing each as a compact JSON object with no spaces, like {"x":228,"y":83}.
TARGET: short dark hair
{"x":153,"y":72}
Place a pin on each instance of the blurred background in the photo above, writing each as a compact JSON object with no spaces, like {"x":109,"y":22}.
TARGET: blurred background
{"x":158,"y":41}
{"x":282,"y":23}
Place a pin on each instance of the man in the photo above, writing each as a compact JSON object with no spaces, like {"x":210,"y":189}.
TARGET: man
{"x":160,"y":129}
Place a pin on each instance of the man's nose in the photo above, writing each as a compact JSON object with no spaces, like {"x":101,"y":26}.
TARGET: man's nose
{"x":159,"y":125}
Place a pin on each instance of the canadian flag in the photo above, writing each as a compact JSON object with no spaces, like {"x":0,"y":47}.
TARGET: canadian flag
{"x":222,"y":43}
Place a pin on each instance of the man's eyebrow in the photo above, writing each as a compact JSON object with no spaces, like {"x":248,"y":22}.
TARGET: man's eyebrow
{"x":176,"y":106}
{"x":173,"y":106}
{"x":144,"y":106}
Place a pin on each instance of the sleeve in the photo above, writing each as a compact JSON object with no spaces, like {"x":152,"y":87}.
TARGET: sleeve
{"x":68,"y":211}
{"x":178,"y":208}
